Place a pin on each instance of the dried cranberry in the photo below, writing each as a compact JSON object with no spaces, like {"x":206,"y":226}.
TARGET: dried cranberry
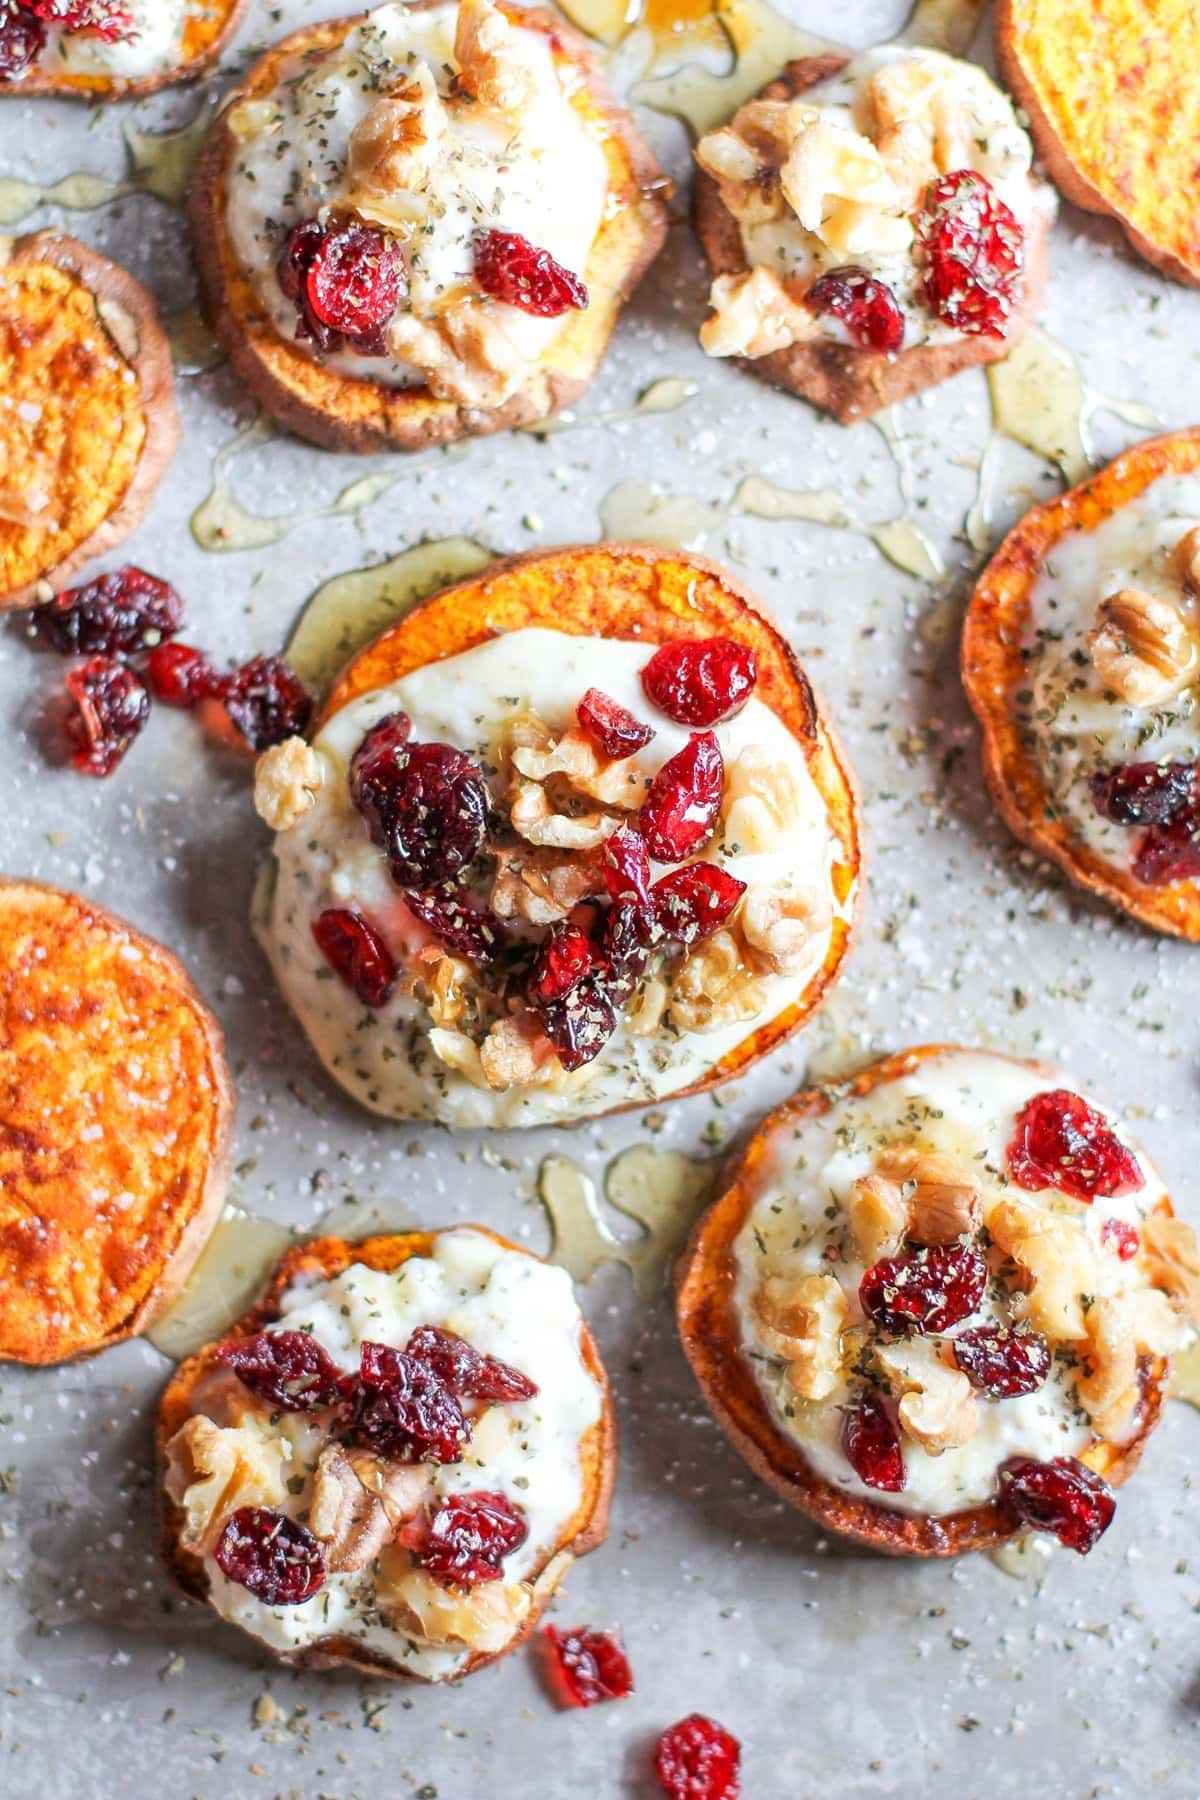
{"x":589,"y":1666}
{"x":22,"y":39}
{"x":265,"y":701}
{"x":627,"y":867}
{"x":1122,"y":1237}
{"x":580,"y":1025}
{"x":626,"y":940}
{"x":182,"y":676}
{"x":680,"y":811}
{"x":110,"y":707}
{"x":1146,"y":793}
{"x":278,"y":1560}
{"x":1063,"y":1496}
{"x":109,"y":20}
{"x":468,"y":1538}
{"x":428,"y":806}
{"x":375,"y":771}
{"x":970,"y":245}
{"x":866,"y":306}
{"x":562,"y":962}
{"x":1169,"y":852}
{"x":464,"y":1370}
{"x":400,"y":1407}
{"x":1000,"y":1362}
{"x":872,"y":1446}
{"x":693,"y":902}
{"x":295,"y":260}
{"x":701,"y":681}
{"x":117,"y":614}
{"x":1062,"y":1142}
{"x":611,"y":727}
{"x":354,"y":281}
{"x":511,"y":269}
{"x":698,"y":1760}
{"x":356,"y":953}
{"x":927,"y":1290}
{"x":465,"y":929}
{"x":288,"y":1368}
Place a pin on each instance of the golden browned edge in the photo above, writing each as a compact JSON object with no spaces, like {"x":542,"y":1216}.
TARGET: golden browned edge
{"x":340,"y":412}
{"x":1063,"y":170}
{"x":205,"y":35}
{"x":994,"y":667}
{"x":322,"y":1259}
{"x":852,"y":384}
{"x":711,"y":1337}
{"x":635,"y":591}
{"x":194,"y":1230}
{"x":114,"y":286}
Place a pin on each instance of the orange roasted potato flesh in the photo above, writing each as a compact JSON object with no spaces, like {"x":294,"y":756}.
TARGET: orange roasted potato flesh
{"x":711,"y":1336}
{"x":1110,"y":90}
{"x":343,"y":413}
{"x":995,"y":649}
{"x":321,"y":1260}
{"x":638,"y":592}
{"x":116,"y":1113}
{"x":89,"y":420}
{"x":208,"y":27}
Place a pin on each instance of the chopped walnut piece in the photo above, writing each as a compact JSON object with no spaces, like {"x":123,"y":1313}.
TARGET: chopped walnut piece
{"x":1173,"y":1261}
{"x":1121,"y":1328}
{"x":753,"y":315}
{"x":542,"y":886}
{"x":584,"y":767}
{"x":743,"y":159}
{"x":714,"y":987}
{"x":840,"y":189}
{"x":643,"y":1016}
{"x":921,"y":131}
{"x":534,"y":816}
{"x":943,"y":1196}
{"x":937,"y":1406}
{"x":878,"y":1218}
{"x":1184,"y":561}
{"x":393,"y":147}
{"x":1142,"y":647}
{"x":450,"y":981}
{"x":759,"y":802}
{"x":485,"y":1619}
{"x":800,"y":1318}
{"x":493,"y":65}
{"x":212,"y":1470}
{"x":778,"y":926}
{"x":464,"y":354}
{"x":399,"y":1488}
{"x":460,"y":1053}
{"x":287,"y":780}
{"x":350,"y":1522}
{"x":517,"y":1053}
{"x":554,"y":777}
{"x":1054,"y":1253}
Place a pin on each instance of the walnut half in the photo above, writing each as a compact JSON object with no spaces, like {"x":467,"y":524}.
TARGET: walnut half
{"x":800,"y":1319}
{"x":1142,"y":647}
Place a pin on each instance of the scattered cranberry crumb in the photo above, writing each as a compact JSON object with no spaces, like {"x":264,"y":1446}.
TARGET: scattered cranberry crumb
{"x":467,"y":930}
{"x":22,"y":40}
{"x":611,"y":727}
{"x":1062,"y":1142}
{"x":698,"y":1760}
{"x":971,"y":247}
{"x":1064,"y":1497}
{"x":288,"y":1368}
{"x":1001,"y":1362}
{"x":588,"y":1666}
{"x":118,"y":614}
{"x":180,"y":675}
{"x":872,"y":1446}
{"x":563,"y":960}
{"x":866,"y":306}
{"x":1147,"y":793}
{"x":926,"y":1290}
{"x":468,"y":1538}
{"x":693,"y":902}
{"x":265,"y":701}
{"x":465,"y":1370}
{"x":701,"y":681}
{"x":1120,"y":1236}
{"x":356,"y":953}
{"x":278,"y":1560}
{"x":511,"y":269}
{"x":110,"y":705}
{"x":680,"y":811}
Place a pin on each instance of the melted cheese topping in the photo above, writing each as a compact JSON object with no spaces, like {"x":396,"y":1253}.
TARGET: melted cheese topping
{"x":154,"y":44}
{"x":382,"y":1055}
{"x":544,"y":176}
{"x":1079,"y":727}
{"x":505,"y":1304}
{"x":962,"y":1104}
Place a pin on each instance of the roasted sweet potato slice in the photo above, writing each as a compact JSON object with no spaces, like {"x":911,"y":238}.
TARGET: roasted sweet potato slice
{"x":321,"y":1260}
{"x":116,"y":1115}
{"x":634,"y":591}
{"x":340,"y":413}
{"x":711,"y":1337}
{"x":90,"y":421}
{"x":208,"y":27}
{"x":838,"y":378}
{"x":1109,"y":87}
{"x":995,"y":650}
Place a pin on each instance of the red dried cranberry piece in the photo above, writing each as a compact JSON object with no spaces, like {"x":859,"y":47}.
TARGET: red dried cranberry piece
{"x":182,"y":676}
{"x":295,"y":260}
{"x":467,"y":930}
{"x":375,"y":771}
{"x":22,"y":39}
{"x":680,"y":811}
{"x":400,"y":1407}
{"x":509,"y":268}
{"x":110,"y":707}
{"x":1063,"y":1496}
{"x":1000,"y":1362}
{"x":1169,"y":852}
{"x":278,"y":1560}
{"x":588,"y":1666}
{"x":866,"y":306}
{"x":701,"y":681}
{"x":611,"y":727}
{"x":698,"y":1760}
{"x":118,"y":614}
{"x":927,"y":1290}
{"x":468,"y":1538}
{"x":1120,"y":1236}
{"x":872,"y":1446}
{"x":562,"y":962}
{"x":627,"y":867}
{"x":1062,"y":1142}
{"x":354,"y":281}
{"x":693,"y":902}
{"x":1146,"y":793}
{"x":970,"y":245}
{"x":109,"y":20}
{"x":580,"y":1025}
{"x":288,"y":1368}
{"x":625,"y":945}
{"x":464,"y":1370}
{"x":265,"y":701}
{"x":428,"y":804}
{"x":356,"y":953}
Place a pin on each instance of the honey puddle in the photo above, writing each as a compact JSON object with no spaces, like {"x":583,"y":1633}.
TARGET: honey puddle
{"x":661,"y":1190}
{"x":194,"y":349}
{"x":665,"y":395}
{"x":943,"y":24}
{"x":903,"y":544}
{"x":638,"y":512}
{"x":1185,"y":1376}
{"x":221,"y":523}
{"x":758,"y":41}
{"x":1025,"y":1557}
{"x":349,"y":611}
{"x":160,"y":164}
{"x":232,"y":1267}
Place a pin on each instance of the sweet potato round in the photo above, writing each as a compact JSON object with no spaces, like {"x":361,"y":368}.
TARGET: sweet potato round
{"x":208,"y":27}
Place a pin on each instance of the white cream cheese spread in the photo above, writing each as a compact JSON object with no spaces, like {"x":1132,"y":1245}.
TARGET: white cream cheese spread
{"x":153,"y":44}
